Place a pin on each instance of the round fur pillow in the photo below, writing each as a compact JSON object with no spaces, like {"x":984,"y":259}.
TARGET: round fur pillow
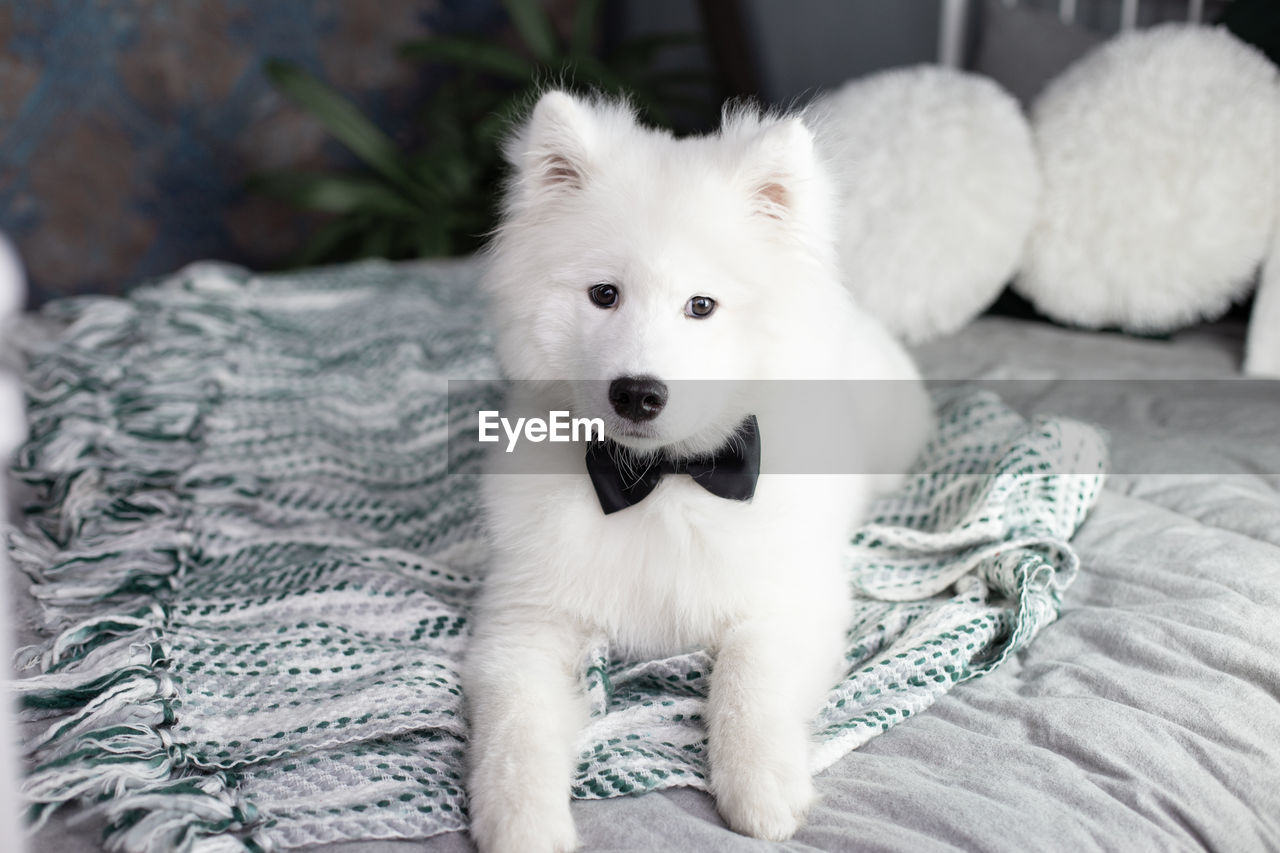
{"x":1159,"y":155}
{"x":938,"y":186}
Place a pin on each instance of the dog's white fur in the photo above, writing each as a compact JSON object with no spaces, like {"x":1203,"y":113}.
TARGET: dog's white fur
{"x":1159,"y":157}
{"x":744,"y":216}
{"x":941,"y":183}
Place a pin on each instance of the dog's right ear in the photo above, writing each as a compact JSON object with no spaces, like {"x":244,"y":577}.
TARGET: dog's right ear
{"x":551,"y":153}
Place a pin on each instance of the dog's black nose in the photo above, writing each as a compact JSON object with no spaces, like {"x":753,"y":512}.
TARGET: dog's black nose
{"x":638,"y":398}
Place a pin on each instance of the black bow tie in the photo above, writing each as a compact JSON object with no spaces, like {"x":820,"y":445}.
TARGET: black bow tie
{"x":621,"y":478}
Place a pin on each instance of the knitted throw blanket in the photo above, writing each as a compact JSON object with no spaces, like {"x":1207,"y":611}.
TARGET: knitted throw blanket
{"x":257,"y":574}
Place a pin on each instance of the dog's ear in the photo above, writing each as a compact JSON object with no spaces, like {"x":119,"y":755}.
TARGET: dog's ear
{"x":552,"y":151}
{"x":780,"y":162}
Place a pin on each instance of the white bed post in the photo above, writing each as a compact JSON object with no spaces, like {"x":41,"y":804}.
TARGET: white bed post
{"x":1262,"y":347}
{"x":1128,"y":15}
{"x":12,"y":432}
{"x":951,"y":33}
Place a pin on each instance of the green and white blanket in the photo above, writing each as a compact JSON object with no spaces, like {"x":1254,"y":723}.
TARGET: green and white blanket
{"x":256,"y":571}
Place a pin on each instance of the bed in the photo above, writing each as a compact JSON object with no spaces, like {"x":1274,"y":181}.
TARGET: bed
{"x":1146,"y":717}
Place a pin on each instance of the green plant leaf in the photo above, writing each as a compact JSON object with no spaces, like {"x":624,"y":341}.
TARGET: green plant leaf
{"x":431,"y":240}
{"x":639,"y":52}
{"x":585,"y":18}
{"x":441,"y":197}
{"x":329,"y":243}
{"x":376,"y":241}
{"x":493,"y":127}
{"x":677,"y":78}
{"x":531,"y":21}
{"x":345,"y":122}
{"x":587,"y":71}
{"x":453,"y":168}
{"x":335,"y":193}
{"x":670,"y":100}
{"x":474,"y":54}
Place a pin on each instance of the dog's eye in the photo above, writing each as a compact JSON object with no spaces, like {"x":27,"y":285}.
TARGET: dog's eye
{"x":700,"y":307}
{"x":604,"y":295}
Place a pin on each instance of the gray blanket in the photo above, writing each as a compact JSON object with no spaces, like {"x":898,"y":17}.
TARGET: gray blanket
{"x":1147,"y":717}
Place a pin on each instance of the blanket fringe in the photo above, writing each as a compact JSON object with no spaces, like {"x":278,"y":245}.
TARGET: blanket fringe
{"x":105,"y":532}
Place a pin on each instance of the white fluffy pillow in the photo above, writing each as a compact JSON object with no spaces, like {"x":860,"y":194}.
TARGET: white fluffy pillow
{"x":938,"y":186}
{"x":1159,"y":158}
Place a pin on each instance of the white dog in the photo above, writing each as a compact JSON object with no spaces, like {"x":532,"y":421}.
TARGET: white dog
{"x":628,"y":259}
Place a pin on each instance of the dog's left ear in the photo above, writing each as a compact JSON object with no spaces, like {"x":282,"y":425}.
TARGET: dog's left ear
{"x":780,"y":162}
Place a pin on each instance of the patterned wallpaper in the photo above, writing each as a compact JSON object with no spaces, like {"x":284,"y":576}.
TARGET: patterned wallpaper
{"x":127,"y":127}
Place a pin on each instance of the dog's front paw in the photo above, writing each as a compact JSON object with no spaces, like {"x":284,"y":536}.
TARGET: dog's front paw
{"x":520,"y":828}
{"x":762,"y":801}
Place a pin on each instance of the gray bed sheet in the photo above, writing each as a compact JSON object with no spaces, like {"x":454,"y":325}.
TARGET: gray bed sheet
{"x":1146,"y":718}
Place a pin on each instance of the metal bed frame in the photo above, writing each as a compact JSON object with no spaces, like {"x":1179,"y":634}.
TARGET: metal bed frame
{"x":12,"y":430}
{"x":955,"y":17}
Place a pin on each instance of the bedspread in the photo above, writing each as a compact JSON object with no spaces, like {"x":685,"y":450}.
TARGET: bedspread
{"x":1146,"y":717}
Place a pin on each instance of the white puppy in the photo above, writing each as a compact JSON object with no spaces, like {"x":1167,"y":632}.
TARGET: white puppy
{"x":626,"y":260}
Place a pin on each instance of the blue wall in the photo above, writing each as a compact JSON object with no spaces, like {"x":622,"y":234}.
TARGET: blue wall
{"x":127,"y":127}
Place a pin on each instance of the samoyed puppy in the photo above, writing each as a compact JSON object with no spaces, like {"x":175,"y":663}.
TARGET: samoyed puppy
{"x":633,"y":275}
